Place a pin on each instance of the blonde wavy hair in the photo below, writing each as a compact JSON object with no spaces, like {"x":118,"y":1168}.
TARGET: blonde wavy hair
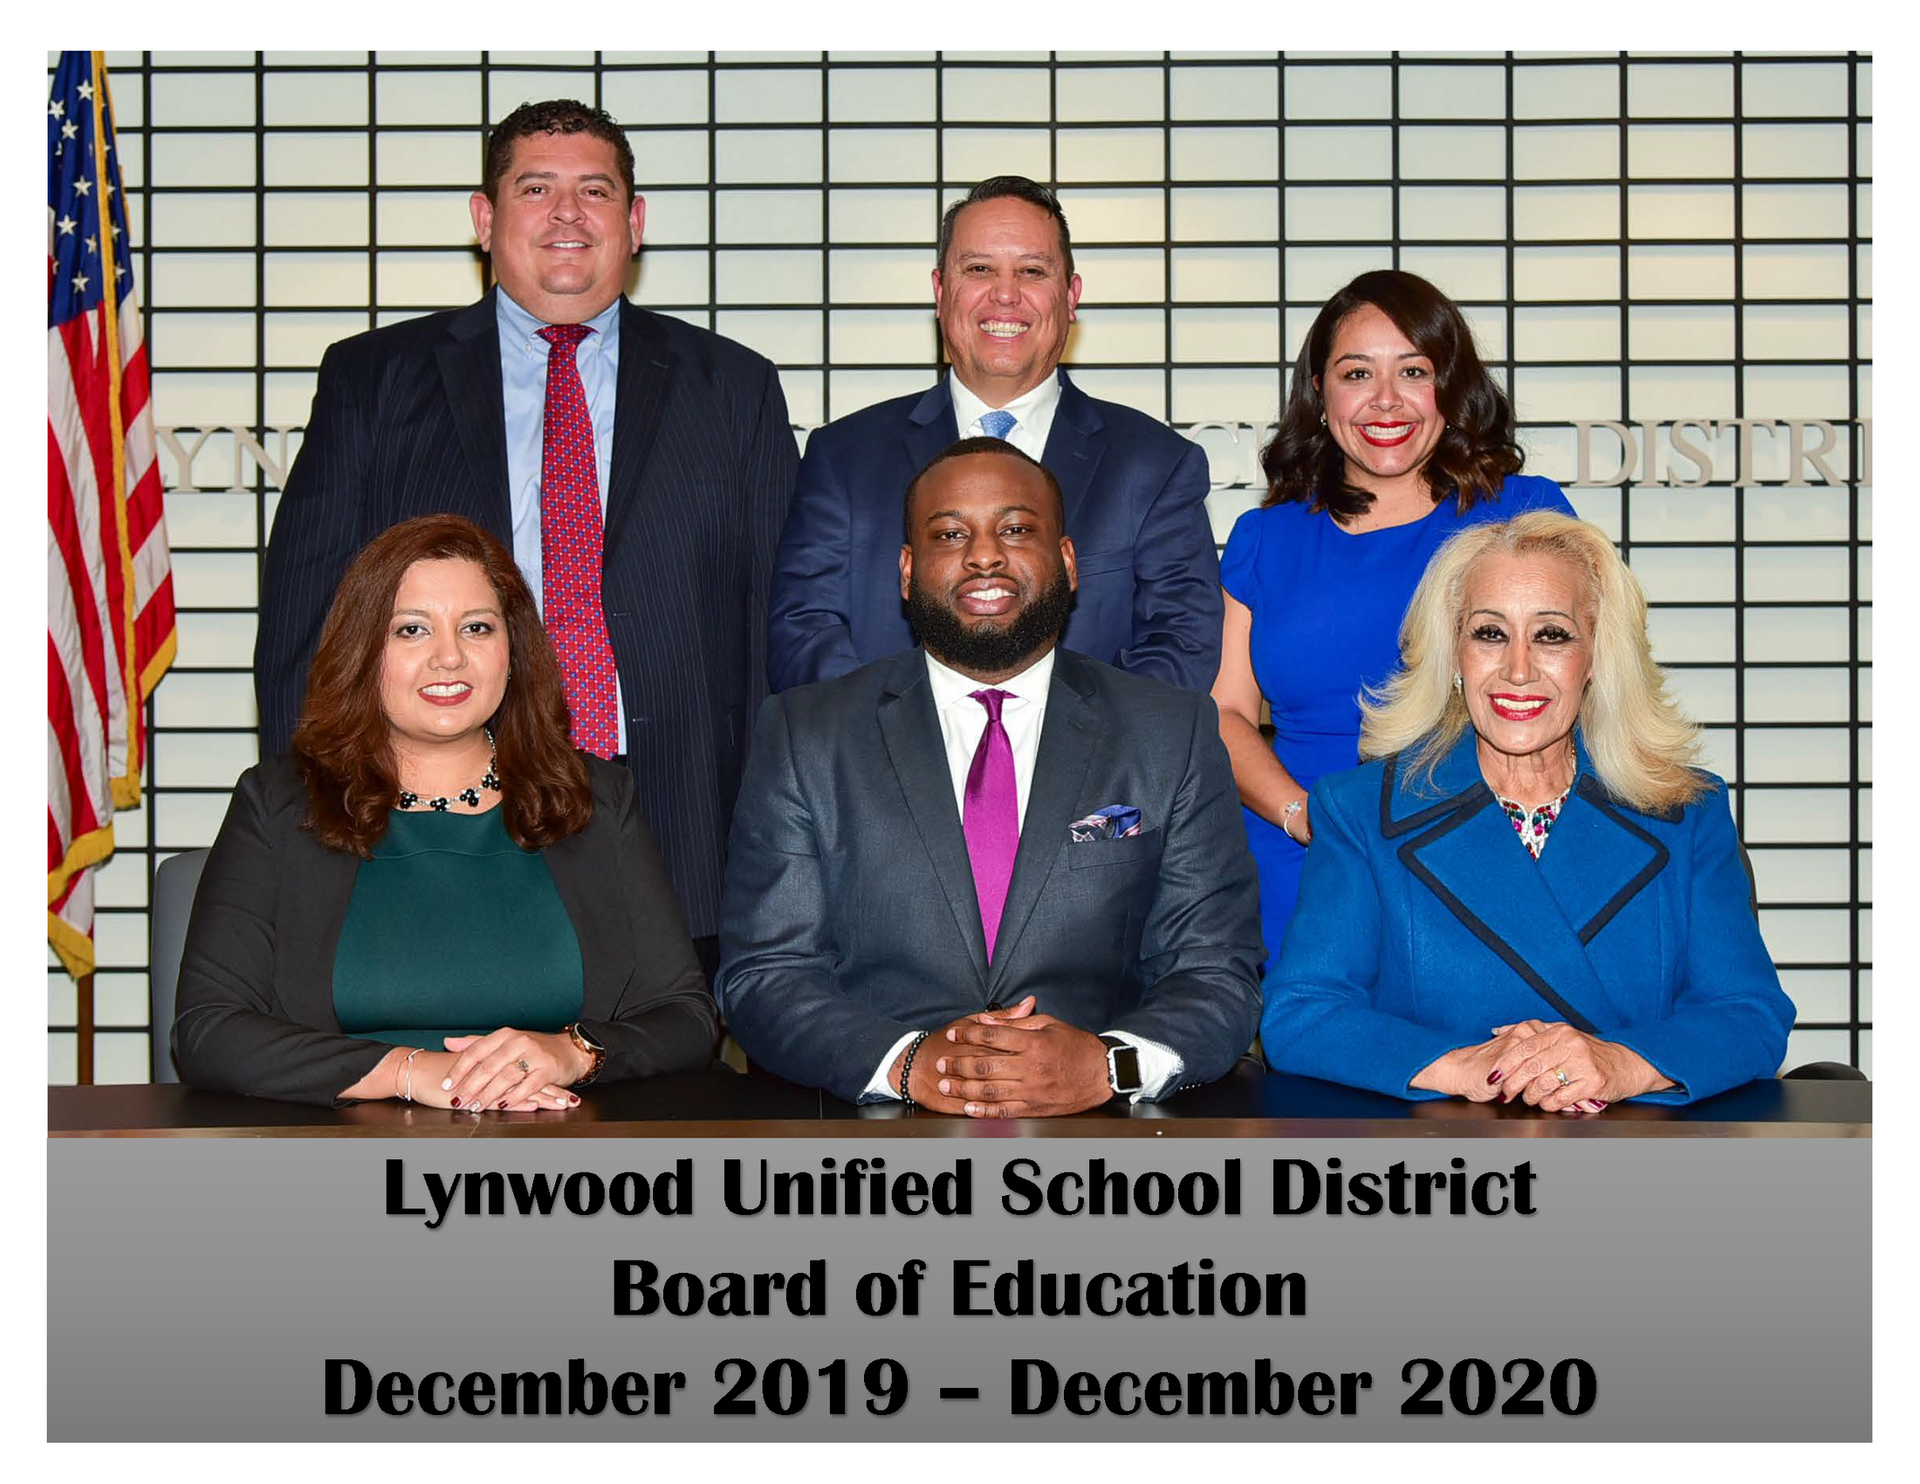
{"x":1643,"y":750}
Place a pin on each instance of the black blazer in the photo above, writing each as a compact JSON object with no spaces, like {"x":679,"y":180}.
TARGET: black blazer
{"x":851,"y":916}
{"x":409,"y":420}
{"x":255,"y":1011}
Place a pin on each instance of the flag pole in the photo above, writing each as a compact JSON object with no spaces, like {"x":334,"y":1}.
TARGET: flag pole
{"x":83,"y":1030}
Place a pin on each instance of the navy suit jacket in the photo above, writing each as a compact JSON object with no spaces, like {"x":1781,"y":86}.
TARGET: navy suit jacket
{"x":410,"y":420}
{"x":1423,"y":923}
{"x":1135,"y":491}
{"x":851,"y":917}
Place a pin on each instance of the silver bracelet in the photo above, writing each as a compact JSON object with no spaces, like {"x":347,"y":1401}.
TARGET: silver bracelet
{"x":406,"y":1096}
{"x":1286,"y":814}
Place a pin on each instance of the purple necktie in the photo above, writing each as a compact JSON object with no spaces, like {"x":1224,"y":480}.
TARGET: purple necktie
{"x":992,"y":816}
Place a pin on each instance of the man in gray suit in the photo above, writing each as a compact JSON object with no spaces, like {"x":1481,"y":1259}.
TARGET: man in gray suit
{"x":1027,"y":860}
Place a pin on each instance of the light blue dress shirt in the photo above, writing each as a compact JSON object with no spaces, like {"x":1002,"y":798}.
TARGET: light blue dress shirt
{"x":523,"y":386}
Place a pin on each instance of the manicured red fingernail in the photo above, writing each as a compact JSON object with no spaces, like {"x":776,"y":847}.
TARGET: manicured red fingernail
{"x":576,"y":1102}
{"x":1493,"y":1076}
{"x":503,"y":1102}
{"x":1598,"y":1105}
{"x":456,"y":1102}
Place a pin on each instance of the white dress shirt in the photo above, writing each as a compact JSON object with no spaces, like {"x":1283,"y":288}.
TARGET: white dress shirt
{"x":963,"y":721}
{"x":1033,"y":414}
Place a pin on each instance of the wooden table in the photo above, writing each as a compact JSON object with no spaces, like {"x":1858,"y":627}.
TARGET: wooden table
{"x":723,"y":1104}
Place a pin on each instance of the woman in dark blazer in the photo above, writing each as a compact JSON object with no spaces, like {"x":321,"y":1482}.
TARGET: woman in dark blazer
{"x":1610,"y":950}
{"x":433,"y":897}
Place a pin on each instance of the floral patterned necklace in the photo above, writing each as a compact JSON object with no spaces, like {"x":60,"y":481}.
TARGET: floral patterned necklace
{"x":1532,"y":825}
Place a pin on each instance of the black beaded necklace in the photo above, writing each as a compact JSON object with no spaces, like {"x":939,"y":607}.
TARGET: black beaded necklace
{"x":468,"y":796}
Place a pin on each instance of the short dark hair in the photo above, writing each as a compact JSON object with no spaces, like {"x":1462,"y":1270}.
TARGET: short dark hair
{"x":971,"y":446}
{"x":995,"y":188}
{"x":556,"y":116}
{"x":1476,"y":452}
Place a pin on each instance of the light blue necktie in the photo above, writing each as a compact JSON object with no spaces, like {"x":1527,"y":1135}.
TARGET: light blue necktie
{"x":997,"y":424}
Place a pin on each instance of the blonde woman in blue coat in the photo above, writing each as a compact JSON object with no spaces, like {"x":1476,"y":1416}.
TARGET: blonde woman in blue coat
{"x":1529,"y":892}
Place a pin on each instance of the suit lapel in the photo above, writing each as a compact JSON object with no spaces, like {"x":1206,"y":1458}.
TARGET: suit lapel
{"x":580,"y":877}
{"x":1074,"y":448}
{"x":639,"y":406}
{"x":919,"y":755}
{"x":1537,"y":917}
{"x":469,"y":360}
{"x":930,"y":426}
{"x":324,"y":889}
{"x":1059,"y":769}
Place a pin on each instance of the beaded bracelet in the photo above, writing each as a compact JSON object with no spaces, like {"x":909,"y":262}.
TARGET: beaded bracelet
{"x":407,"y":1066}
{"x":906,"y":1067}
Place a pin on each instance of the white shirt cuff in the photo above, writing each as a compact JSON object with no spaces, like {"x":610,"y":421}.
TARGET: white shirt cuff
{"x":1160,"y":1066}
{"x":880,"y":1089}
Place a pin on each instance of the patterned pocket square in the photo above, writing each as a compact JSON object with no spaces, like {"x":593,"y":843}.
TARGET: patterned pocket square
{"x":1115,"y":822}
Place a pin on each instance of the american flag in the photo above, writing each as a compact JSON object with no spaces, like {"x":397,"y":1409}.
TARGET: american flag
{"x":110,"y":628}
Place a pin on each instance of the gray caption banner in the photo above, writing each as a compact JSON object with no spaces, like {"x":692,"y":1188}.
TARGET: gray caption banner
{"x":1718,"y":1290}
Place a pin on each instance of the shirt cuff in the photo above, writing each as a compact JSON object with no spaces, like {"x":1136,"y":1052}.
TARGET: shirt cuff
{"x":879,"y":1088}
{"x":1160,"y":1066}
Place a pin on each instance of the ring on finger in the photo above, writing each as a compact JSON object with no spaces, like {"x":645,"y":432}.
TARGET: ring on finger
{"x":1560,"y":1075}
{"x":523,"y":1064}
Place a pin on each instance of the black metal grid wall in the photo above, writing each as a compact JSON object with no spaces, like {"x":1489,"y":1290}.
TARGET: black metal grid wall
{"x":1637,"y":238}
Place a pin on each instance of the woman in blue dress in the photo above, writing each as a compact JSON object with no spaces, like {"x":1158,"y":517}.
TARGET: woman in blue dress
{"x":1394,"y":437}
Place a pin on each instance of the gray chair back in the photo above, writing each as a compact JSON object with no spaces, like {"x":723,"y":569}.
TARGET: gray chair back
{"x":174,"y":884}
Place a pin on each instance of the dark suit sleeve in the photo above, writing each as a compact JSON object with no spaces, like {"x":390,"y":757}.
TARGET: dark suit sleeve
{"x":1176,"y":583}
{"x":1729,"y":1019}
{"x":1320,"y":1019}
{"x":320,"y":525}
{"x":230,"y":1031}
{"x":664,"y":1020}
{"x":777,"y":985}
{"x":771,"y":471}
{"x":1200,"y":948}
{"x":811,"y":634}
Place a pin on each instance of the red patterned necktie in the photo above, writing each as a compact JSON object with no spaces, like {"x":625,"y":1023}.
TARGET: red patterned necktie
{"x":570,"y":544}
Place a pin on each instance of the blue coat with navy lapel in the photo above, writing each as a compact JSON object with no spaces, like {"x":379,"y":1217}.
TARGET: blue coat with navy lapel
{"x":1423,"y":923}
{"x":1135,"y":491}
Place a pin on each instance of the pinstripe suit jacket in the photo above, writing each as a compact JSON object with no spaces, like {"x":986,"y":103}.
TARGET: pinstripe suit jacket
{"x":409,"y":420}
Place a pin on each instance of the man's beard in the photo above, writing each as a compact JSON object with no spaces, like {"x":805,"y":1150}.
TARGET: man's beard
{"x":989,"y":648}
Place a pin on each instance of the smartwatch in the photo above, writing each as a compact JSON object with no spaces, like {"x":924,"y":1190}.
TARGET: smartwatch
{"x":1123,"y":1064}
{"x":593,"y":1049}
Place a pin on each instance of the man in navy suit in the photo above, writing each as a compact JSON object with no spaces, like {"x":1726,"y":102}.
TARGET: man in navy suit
{"x":990,"y":875}
{"x":1005,"y":289}
{"x":657,"y":602}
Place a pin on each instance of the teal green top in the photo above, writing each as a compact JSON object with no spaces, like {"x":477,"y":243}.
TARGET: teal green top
{"x":454,"y":930}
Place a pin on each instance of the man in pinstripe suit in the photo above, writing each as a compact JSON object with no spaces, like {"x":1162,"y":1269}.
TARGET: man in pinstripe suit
{"x":691,"y":448}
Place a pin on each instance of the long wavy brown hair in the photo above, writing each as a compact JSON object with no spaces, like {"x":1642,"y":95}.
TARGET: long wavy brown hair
{"x":344,"y":743}
{"x":1476,"y":452}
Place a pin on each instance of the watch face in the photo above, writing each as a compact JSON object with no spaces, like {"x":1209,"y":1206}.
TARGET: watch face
{"x":1123,"y":1068}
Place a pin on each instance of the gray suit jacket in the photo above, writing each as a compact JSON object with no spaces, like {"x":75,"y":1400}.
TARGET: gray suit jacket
{"x":849,"y":916}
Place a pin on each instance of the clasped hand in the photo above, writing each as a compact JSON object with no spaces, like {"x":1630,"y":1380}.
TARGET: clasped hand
{"x":1011,"y":1064}
{"x":485,"y":1074}
{"x":1528,"y":1060}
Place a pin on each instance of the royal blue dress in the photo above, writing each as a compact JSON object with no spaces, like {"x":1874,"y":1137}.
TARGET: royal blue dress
{"x":1327,"y":607}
